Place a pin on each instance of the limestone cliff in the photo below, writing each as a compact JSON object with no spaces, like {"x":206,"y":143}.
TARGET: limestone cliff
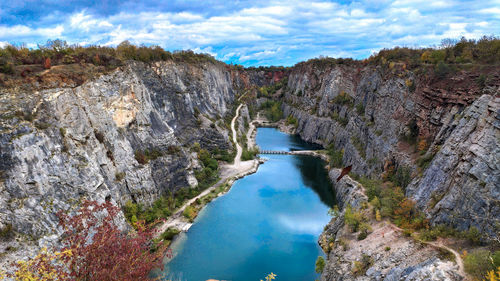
{"x":375,"y":115}
{"x":369,"y":112}
{"x":64,"y":144}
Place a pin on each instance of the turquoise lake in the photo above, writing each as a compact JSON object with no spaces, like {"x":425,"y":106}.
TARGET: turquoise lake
{"x":269,"y":221}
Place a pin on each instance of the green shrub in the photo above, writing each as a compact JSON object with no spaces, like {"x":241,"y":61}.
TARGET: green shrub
{"x":442,"y":69}
{"x":119,"y":176}
{"x":143,"y":157}
{"x":6,"y":232}
{"x":481,"y":81}
{"x":373,"y":187}
{"x":42,"y":125}
{"x":402,"y":177}
{"x":387,"y":248}
{"x":320,"y":264}
{"x":335,"y":156}
{"x":272,"y":110}
{"x":439,"y":230}
{"x":478,"y":263}
{"x":7,"y":68}
{"x":140,"y":157}
{"x":223,"y":155}
{"x":249,"y":154}
{"x":343,"y":121}
{"x":343,"y":98}
{"x":353,"y":218}
{"x":290,"y":120}
{"x":169,"y":234}
{"x":425,"y":160}
{"x":473,"y":235}
{"x":189,"y":213}
{"x":130,"y":209}
{"x":360,"y":267}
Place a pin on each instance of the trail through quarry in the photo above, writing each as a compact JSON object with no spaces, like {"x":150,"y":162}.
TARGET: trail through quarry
{"x":228,"y":172}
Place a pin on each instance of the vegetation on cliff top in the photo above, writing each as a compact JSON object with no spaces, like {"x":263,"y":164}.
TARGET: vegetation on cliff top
{"x":58,"y":52}
{"x":485,"y":50}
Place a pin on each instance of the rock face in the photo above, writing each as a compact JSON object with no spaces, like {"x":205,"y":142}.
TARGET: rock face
{"x":445,"y":131}
{"x":374,"y":113}
{"x":62,"y":145}
{"x":385,"y":254}
{"x":462,"y":184}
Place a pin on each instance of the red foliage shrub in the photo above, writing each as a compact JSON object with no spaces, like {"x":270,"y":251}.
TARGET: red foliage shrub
{"x":46,"y":63}
{"x":100,"y":251}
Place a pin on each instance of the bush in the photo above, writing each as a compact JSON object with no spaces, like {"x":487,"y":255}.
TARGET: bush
{"x":425,"y":161}
{"x":473,"y":235}
{"x":7,"y":68}
{"x":119,"y":176}
{"x":290,"y":120}
{"x":320,"y":264}
{"x":481,"y":81}
{"x":190,"y":213}
{"x":479,"y":262}
{"x":373,"y":187}
{"x":335,"y":156}
{"x":442,"y":69}
{"x":169,"y":234}
{"x":143,"y":157}
{"x":272,"y":110}
{"x":353,"y":218}
{"x":6,"y":232}
{"x":360,"y":267}
{"x":343,"y":98}
{"x":402,"y":177}
{"x":140,"y":157}
{"x":249,"y":154}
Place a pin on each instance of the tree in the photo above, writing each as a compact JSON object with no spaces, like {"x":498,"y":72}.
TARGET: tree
{"x":100,"y":251}
{"x":320,"y":264}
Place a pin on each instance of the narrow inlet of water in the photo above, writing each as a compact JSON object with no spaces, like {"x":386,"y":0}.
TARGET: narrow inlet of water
{"x":269,"y":221}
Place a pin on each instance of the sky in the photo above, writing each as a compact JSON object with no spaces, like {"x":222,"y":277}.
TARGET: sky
{"x":254,"y":32}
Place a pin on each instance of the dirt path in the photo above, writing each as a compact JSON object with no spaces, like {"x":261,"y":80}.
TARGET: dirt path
{"x":227,"y":172}
{"x":439,"y":244}
{"x":239,"y":151}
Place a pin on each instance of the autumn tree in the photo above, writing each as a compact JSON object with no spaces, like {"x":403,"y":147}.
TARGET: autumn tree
{"x":94,"y":248}
{"x":101,"y":251}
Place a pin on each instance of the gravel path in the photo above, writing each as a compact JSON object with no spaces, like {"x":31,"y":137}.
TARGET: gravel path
{"x":227,"y":172}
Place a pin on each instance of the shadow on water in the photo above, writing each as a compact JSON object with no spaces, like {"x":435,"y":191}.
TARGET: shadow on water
{"x":316,"y":177}
{"x":296,"y":143}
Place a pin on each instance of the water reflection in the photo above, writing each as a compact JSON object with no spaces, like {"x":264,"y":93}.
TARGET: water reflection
{"x":315,"y":176}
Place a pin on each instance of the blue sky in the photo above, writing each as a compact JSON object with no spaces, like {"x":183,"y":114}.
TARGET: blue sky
{"x":251,"y":32}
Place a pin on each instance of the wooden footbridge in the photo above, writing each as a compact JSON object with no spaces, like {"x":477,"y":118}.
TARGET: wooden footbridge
{"x":295,"y":152}
{"x":274,"y":152}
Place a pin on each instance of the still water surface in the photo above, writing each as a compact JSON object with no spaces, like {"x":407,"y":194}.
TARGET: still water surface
{"x":268,"y":222}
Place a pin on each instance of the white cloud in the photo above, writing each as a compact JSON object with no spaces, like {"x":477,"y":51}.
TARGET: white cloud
{"x":279,"y":31}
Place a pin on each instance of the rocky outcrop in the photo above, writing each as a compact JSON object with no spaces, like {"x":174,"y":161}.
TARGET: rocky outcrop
{"x":373,"y":113}
{"x":445,"y":131}
{"x":121,"y":136}
{"x":461,"y":187}
{"x":385,"y":254}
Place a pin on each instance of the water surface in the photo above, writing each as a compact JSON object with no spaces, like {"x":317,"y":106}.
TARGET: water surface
{"x":268,"y":222}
